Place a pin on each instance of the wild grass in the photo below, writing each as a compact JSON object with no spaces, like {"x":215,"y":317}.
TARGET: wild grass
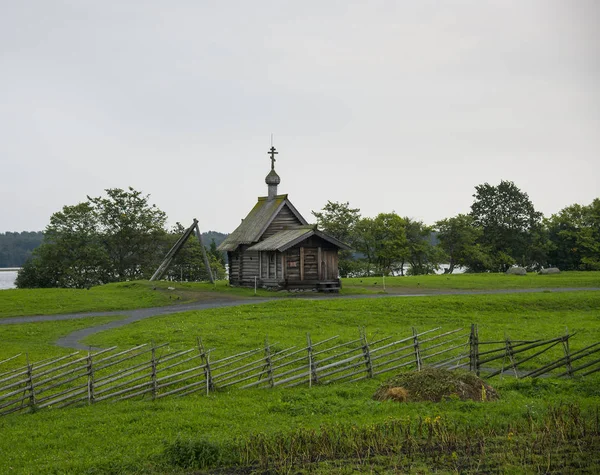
{"x":273,"y":429}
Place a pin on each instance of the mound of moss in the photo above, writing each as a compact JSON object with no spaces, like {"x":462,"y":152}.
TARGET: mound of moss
{"x":435,"y":384}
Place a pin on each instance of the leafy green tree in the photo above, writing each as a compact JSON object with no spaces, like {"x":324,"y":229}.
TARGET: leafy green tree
{"x":512,"y":228}
{"x":72,"y":253}
{"x":339,"y":220}
{"x":364,"y":243}
{"x":389,"y":243}
{"x":574,"y":233}
{"x":105,"y":239}
{"x":130,"y":228}
{"x":459,"y":240}
{"x":422,"y":256}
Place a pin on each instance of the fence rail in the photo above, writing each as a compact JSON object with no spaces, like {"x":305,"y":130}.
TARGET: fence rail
{"x":155,"y":371}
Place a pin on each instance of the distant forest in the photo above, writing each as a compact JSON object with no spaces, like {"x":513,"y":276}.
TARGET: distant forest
{"x":210,"y":235}
{"x":16,"y":248}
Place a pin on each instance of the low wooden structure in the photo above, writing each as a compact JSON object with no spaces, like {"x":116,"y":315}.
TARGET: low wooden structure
{"x":275,"y":247}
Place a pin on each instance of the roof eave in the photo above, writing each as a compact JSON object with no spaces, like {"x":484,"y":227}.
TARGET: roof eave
{"x":333,"y":240}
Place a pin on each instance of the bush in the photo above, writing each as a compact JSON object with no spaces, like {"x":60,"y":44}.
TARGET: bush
{"x":201,"y":453}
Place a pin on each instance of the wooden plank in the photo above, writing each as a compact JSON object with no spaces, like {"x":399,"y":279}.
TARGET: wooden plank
{"x":301,"y":263}
{"x":204,"y":256}
{"x":319,"y":266}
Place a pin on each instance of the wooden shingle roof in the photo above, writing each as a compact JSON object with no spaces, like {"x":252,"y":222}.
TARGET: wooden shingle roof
{"x":254,"y":225}
{"x":283,"y":240}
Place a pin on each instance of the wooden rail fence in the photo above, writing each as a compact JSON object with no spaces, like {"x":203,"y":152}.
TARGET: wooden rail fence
{"x":155,"y":371}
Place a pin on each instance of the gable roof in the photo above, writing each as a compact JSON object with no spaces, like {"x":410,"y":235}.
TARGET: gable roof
{"x":283,"y":240}
{"x":258,"y":220}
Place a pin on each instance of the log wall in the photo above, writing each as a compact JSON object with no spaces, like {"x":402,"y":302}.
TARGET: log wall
{"x":285,"y":219}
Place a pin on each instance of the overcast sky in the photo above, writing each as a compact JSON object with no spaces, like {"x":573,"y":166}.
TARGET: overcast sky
{"x":390,"y":105}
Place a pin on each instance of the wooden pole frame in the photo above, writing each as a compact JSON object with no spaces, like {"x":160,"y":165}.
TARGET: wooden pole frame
{"x":166,"y":263}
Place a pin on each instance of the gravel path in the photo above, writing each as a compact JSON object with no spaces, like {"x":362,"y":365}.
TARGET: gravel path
{"x":72,"y":340}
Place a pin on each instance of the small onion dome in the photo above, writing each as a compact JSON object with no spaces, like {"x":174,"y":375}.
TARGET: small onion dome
{"x":272,"y":178}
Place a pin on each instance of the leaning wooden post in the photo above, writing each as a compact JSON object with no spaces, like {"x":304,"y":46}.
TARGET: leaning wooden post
{"x":366,"y":353}
{"x":565,"y":343}
{"x":474,"y":350}
{"x":312,"y":367}
{"x":204,"y":256}
{"x":417,"y":349}
{"x":90,"y":375}
{"x":30,"y":386}
{"x":511,"y":357}
{"x":268,"y":363}
{"x":153,"y":372}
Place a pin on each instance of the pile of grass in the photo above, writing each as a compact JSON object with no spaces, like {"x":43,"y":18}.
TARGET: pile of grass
{"x":435,"y":385}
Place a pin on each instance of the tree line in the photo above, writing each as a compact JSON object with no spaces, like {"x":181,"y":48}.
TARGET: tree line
{"x":111,"y":238}
{"x":122,"y":236}
{"x":16,"y":248}
{"x":502,"y":229}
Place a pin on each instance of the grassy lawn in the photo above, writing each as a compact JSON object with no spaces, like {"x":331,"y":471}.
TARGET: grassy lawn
{"x":37,"y":339}
{"x":236,"y":329}
{"x":111,"y":297}
{"x":141,"y":294}
{"x":491,"y":281}
{"x":260,"y":428}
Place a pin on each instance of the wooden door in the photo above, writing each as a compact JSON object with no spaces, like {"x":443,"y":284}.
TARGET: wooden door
{"x":329,"y":265}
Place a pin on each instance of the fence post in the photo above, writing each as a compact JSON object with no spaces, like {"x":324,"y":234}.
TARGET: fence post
{"x":153,"y":373}
{"x":474,"y":349}
{"x":366,"y":353}
{"x":30,"y":386}
{"x":312,"y":365}
{"x":511,"y":356}
{"x":417,"y":349}
{"x":205,"y":358}
{"x":90,"y":375}
{"x":268,"y":363}
{"x":565,"y":343}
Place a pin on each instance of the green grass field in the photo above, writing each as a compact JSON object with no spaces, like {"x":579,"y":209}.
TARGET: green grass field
{"x":36,"y":340}
{"x":536,"y":426}
{"x":489,"y":281}
{"x":140,"y":294}
{"x":237,"y":329}
{"x":111,"y":297}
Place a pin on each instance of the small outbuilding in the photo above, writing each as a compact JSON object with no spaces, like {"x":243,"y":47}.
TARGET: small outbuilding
{"x":275,"y":247}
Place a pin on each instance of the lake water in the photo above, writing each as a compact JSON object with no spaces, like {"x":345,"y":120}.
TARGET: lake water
{"x":7,"y":279}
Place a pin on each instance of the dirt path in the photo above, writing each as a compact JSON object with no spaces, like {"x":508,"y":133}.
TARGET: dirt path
{"x":73,"y":340}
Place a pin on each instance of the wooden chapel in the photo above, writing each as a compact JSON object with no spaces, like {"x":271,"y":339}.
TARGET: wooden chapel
{"x":276,"y":248}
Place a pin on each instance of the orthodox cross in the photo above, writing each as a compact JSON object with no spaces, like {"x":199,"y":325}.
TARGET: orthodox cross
{"x":272,"y":152}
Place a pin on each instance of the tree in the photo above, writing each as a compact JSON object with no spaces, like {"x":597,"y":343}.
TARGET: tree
{"x":102,"y":240}
{"x":459,"y":240}
{"x":388,"y":244}
{"x":511,"y":226}
{"x":71,"y":254}
{"x":421,"y":255}
{"x":131,"y":229}
{"x":339,"y":220}
{"x":574,"y":233}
